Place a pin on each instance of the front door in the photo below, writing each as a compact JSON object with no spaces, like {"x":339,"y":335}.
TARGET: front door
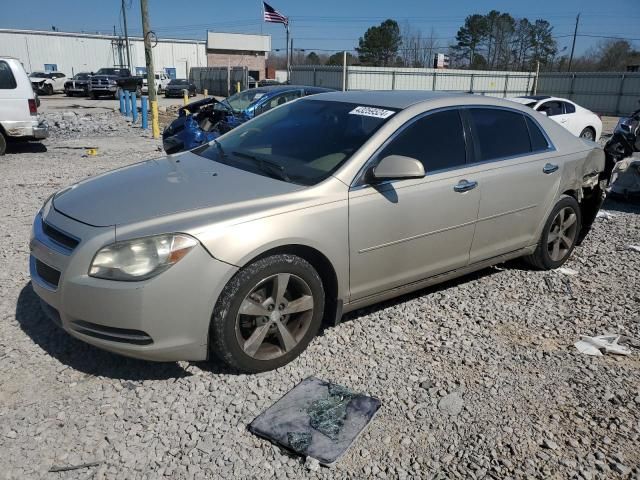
{"x":406,"y":230}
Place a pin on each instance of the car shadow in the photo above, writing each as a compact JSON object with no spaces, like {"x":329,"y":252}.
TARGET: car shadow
{"x":362,"y":312}
{"x":82,"y":356}
{"x":25,"y":147}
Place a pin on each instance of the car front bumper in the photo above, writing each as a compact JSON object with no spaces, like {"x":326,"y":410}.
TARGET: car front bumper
{"x":165,"y":318}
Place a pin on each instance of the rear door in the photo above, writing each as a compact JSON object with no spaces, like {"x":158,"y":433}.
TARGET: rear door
{"x":518,"y":175}
{"x":575,"y":123}
{"x":15,"y":90}
{"x":402,"y":231}
{"x":554,"y":109}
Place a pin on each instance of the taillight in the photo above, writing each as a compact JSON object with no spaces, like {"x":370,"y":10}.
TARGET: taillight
{"x":33,"y":108}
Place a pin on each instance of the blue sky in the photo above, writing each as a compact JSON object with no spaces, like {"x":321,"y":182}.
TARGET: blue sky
{"x":328,"y":25}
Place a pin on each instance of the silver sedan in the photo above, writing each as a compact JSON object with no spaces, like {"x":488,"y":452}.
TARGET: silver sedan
{"x":243,"y":247}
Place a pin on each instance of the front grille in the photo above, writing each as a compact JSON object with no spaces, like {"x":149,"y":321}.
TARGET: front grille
{"x":59,"y":236}
{"x":113,"y":334}
{"x":47,"y":273}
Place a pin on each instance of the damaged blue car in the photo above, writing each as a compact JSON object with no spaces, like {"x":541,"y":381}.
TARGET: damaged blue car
{"x":202,"y":121}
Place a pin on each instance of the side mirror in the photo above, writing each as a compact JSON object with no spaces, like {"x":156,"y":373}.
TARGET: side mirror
{"x":543,"y":112}
{"x":398,"y":167}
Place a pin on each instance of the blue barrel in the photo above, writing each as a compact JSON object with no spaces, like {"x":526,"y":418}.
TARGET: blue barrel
{"x":127,"y":105}
{"x":134,"y":107}
{"x":143,"y":107}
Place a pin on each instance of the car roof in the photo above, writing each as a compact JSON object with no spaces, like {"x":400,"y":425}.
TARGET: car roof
{"x":273,"y":89}
{"x":399,"y":99}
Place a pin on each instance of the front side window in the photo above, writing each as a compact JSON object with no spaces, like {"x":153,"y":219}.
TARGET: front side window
{"x":302,"y":142}
{"x":499,"y":133}
{"x":7,"y":80}
{"x":437,"y":140}
{"x":280,"y":100}
{"x":241,"y":101}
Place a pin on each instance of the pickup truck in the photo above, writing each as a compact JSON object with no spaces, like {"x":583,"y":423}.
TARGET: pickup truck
{"x":109,"y":82}
{"x":18,"y":105}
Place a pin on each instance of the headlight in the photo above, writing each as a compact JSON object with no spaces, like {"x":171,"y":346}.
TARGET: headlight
{"x":141,"y":258}
{"x":112,"y":82}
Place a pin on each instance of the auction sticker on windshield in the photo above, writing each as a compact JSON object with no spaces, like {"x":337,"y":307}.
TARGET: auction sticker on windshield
{"x":372,"y":112}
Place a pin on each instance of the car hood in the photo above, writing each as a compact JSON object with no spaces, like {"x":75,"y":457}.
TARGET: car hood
{"x":38,"y":79}
{"x":164,"y":186}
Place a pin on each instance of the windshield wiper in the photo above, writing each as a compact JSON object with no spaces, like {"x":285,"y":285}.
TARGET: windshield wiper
{"x":274,"y":168}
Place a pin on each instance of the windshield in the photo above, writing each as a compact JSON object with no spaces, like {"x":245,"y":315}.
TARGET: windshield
{"x":178,"y":81}
{"x":302,"y":141}
{"x":240,"y":101}
{"x":40,"y":75}
{"x":82,"y":76}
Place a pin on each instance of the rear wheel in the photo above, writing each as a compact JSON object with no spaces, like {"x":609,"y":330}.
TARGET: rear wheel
{"x":3,"y":144}
{"x":559,"y":235}
{"x":588,"y":133}
{"x":267,"y":314}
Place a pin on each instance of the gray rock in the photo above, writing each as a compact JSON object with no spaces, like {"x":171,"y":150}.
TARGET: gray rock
{"x":451,"y":404}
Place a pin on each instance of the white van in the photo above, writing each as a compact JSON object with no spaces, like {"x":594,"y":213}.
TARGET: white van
{"x":162,"y":80}
{"x":18,"y":105}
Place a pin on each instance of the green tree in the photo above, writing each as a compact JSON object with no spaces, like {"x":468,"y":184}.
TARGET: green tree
{"x":380,"y":44}
{"x":470,"y":36}
{"x":337,"y":59}
{"x":543,"y":45}
{"x":313,"y":59}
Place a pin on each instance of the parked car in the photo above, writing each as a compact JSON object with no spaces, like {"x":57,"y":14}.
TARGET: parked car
{"x":578,"y":120}
{"x":202,"y":121}
{"x":78,"y":85}
{"x":162,"y":80}
{"x":176,"y":86}
{"x":18,"y":105}
{"x":109,"y":82}
{"x":47,"y":83}
{"x":243,"y":247}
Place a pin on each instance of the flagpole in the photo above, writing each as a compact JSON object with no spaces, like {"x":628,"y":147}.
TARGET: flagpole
{"x":288,"y":54}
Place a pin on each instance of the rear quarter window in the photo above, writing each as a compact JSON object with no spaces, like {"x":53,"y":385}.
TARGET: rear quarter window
{"x":7,"y":80}
{"x":569,"y":108}
{"x":499,"y":133}
{"x":538,"y":140}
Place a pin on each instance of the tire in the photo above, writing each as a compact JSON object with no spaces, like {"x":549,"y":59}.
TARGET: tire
{"x":254,"y":289}
{"x":3,"y":144}
{"x":48,"y":89}
{"x":69,"y":94}
{"x":93,"y":95}
{"x":547,"y":255}
{"x":588,"y":133}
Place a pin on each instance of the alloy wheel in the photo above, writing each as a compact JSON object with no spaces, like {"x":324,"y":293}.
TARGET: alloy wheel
{"x":562,"y":234}
{"x":274,"y":317}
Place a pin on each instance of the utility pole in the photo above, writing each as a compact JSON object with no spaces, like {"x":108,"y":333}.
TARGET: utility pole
{"x":573,"y":46}
{"x":126,"y":35}
{"x":151,"y":82}
{"x":288,"y":59}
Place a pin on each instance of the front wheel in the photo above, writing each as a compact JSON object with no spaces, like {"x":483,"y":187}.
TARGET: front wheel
{"x":559,"y":235}
{"x":48,"y":89}
{"x":267,"y":314}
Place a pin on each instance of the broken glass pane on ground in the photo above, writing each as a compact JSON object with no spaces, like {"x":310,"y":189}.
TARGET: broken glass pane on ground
{"x":317,"y":419}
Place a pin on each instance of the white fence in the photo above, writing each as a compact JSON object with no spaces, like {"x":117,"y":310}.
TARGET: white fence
{"x":494,"y":83}
{"x":604,"y":93}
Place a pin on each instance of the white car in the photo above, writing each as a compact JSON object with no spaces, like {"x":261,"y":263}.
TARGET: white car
{"x":578,"y":120}
{"x":47,"y":82}
{"x":18,"y":105}
{"x":162,"y":80}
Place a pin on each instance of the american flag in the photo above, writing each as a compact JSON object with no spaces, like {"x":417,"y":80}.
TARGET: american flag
{"x":273,"y":16}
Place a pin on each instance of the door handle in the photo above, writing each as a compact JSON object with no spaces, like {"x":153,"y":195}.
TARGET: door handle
{"x":465,"y":186}
{"x":549,"y":168}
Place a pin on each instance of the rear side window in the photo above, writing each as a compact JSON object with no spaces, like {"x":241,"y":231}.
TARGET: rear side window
{"x":569,"y":108}
{"x":7,"y":80}
{"x":538,"y":140}
{"x":437,"y":140}
{"x":551,"y":108}
{"x":499,"y":133}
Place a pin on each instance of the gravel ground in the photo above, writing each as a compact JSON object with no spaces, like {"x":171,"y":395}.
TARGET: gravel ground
{"x":478,"y":377}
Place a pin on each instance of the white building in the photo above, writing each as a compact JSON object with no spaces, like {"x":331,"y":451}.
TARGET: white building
{"x":79,"y":52}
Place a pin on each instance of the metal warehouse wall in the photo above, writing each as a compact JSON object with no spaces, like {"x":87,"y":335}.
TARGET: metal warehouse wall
{"x":84,"y":52}
{"x":605,"y":93}
{"x":496,"y":83}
